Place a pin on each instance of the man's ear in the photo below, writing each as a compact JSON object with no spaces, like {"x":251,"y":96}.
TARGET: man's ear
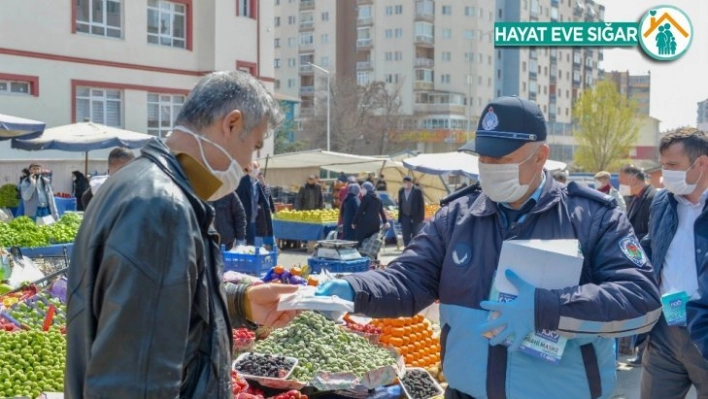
{"x":232,"y":124}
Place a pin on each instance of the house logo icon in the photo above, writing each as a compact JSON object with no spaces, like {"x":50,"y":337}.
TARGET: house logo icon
{"x":666,"y":33}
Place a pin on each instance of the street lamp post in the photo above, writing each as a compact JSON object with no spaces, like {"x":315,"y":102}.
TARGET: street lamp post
{"x":328,"y":102}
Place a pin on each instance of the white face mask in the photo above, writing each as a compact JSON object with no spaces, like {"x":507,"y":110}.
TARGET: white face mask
{"x":625,"y":190}
{"x":599,"y":184}
{"x":500,"y":182}
{"x":229,"y":178}
{"x":255,"y":172}
{"x":675,"y":181}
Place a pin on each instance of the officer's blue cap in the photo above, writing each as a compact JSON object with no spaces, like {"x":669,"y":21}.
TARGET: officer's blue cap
{"x":506,"y":124}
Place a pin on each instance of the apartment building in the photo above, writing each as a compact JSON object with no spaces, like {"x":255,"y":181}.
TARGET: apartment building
{"x":553,"y":77}
{"x":702,"y":120}
{"x":308,"y":32}
{"x":635,"y":87}
{"x":128,"y":64}
{"x":440,"y":55}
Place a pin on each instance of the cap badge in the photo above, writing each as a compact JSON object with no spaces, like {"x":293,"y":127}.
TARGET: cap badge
{"x":490,"y":120}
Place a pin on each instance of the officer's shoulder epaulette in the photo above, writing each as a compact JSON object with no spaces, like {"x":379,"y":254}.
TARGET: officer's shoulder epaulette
{"x":577,"y":190}
{"x":460,"y":193}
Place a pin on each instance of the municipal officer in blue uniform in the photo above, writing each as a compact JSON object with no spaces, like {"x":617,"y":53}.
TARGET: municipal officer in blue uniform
{"x":454,"y":259}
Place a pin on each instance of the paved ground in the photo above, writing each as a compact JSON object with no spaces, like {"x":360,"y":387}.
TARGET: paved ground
{"x":627,"y":377}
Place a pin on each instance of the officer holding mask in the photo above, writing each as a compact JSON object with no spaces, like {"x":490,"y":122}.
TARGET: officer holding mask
{"x":454,"y":259}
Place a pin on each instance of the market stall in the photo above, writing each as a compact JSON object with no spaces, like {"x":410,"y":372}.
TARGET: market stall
{"x":307,"y":226}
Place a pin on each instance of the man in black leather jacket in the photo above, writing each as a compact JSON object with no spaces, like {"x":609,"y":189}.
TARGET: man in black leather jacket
{"x":148,"y":315}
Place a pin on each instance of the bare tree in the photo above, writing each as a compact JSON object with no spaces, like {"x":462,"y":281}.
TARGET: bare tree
{"x":362,"y":117}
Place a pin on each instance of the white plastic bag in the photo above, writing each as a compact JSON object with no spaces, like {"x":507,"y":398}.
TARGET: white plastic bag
{"x":24,"y":270}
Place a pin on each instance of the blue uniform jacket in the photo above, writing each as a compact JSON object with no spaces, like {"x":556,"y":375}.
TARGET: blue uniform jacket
{"x":663,"y":224}
{"x":454,"y":259}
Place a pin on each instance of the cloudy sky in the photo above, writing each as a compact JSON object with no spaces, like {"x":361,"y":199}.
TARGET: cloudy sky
{"x":676,"y":86}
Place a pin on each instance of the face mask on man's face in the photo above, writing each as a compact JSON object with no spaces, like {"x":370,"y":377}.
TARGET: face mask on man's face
{"x":501,"y":182}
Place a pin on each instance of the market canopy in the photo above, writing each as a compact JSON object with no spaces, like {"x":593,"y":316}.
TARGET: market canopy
{"x":457,"y":164}
{"x":13,"y":127}
{"x":83,"y":137}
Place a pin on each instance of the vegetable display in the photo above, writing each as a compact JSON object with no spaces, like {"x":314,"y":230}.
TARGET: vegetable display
{"x":8,"y":196}
{"x":264,"y":365}
{"x":320,"y":345}
{"x":31,"y":362}
{"x":24,"y":232}
{"x":420,"y":385}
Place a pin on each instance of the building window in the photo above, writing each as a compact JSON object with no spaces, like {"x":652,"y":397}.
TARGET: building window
{"x":388,"y":56}
{"x":246,"y":8}
{"x":167,"y":23}
{"x":469,"y":11}
{"x":277,"y":21}
{"x":99,"y":106}
{"x":291,"y":20}
{"x":398,"y":32}
{"x":398,"y":55}
{"x":523,"y":87}
{"x":276,"y":63}
{"x":277,"y":42}
{"x":362,"y":78}
{"x":306,"y":38}
{"x":291,"y":83}
{"x":19,"y":84}
{"x":469,"y":57}
{"x":292,"y":62}
{"x":445,"y":78}
{"x":446,"y":10}
{"x":99,"y":17}
{"x":324,"y":61}
{"x":291,"y":42}
{"x":446,"y":56}
{"x":447,"y":33}
{"x":469,"y":34}
{"x":424,"y":75}
{"x":398,"y":9}
{"x":325,"y":16}
{"x":389,"y":33}
{"x":276,"y":84}
{"x":162,"y":112}
{"x":324,"y":38}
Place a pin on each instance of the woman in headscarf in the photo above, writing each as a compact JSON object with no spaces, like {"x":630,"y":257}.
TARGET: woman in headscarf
{"x":370,"y":215}
{"x":78,"y":188}
{"x":350,"y":206}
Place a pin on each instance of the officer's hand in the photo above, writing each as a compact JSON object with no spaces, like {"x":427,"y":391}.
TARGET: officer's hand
{"x":339,"y":288}
{"x":517,"y":316}
{"x":263,"y":304}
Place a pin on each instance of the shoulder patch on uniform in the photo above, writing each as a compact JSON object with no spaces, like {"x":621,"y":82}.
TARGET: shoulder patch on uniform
{"x":575,"y":189}
{"x":633,"y":250}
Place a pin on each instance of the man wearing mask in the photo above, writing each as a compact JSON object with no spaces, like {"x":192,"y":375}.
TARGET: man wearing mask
{"x":148,"y":314}
{"x":633,"y":185}
{"x":678,"y":247}
{"x":455,"y":256}
{"x":37,"y":194}
{"x":604,"y":185}
{"x":411,"y":209}
{"x":310,"y":196}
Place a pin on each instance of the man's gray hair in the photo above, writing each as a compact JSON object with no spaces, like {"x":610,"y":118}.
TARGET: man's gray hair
{"x":219,"y":93}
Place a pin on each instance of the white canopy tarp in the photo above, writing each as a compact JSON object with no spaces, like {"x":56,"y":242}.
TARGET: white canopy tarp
{"x":292,"y":169}
{"x":457,"y":164}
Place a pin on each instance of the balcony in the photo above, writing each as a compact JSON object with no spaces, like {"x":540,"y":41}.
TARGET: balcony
{"x":532,"y":96}
{"x":532,"y":75}
{"x":306,"y":46}
{"x":424,"y":62}
{"x":307,"y":24}
{"x":363,"y":43}
{"x":424,"y":41}
{"x":554,"y":2}
{"x":307,"y":5}
{"x":364,"y":21}
{"x":423,"y":85}
{"x":426,"y":16}
{"x":306,"y":68}
{"x":307,"y":90}
{"x":364,"y":2}
{"x":423,"y":108}
{"x":363,"y":65}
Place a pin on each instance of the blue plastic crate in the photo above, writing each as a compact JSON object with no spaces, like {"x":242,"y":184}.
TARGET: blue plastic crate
{"x":339,"y":266}
{"x":257,"y":264}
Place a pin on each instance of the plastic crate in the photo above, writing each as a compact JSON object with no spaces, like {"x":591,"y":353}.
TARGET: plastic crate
{"x":257,"y":264}
{"x":338,"y":266}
